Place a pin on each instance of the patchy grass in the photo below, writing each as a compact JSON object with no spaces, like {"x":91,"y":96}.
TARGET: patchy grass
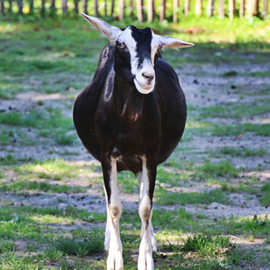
{"x":40,"y":186}
{"x":72,"y":246}
{"x":243,"y":152}
{"x":265,"y":199}
{"x":51,"y":216}
{"x":240,"y":129}
{"x":207,"y":197}
{"x":223,"y":168}
{"x":238,"y":111}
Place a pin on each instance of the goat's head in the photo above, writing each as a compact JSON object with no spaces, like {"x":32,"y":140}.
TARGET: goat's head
{"x":136,"y":52}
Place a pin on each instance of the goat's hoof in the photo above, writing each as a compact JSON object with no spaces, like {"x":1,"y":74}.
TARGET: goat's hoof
{"x":115,"y":260}
{"x":145,"y":261}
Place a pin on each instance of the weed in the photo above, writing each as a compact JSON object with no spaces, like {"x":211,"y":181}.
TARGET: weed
{"x":6,"y":246}
{"x":8,"y":160}
{"x":66,"y":139}
{"x":230,"y":73}
{"x":52,"y":254}
{"x":265,"y":199}
{"x":206,"y":245}
{"x":221,"y":169}
{"x":72,"y":246}
{"x":258,"y":225}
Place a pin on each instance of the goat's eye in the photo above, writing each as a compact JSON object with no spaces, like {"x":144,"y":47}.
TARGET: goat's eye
{"x":121,"y":45}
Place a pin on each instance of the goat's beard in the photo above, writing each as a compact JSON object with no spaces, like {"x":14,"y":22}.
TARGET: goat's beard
{"x":133,"y":106}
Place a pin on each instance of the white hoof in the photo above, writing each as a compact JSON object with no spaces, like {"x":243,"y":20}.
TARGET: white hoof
{"x":145,"y":260}
{"x":115,"y":260}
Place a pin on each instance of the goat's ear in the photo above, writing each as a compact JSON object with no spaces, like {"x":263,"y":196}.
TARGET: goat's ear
{"x":173,"y":43}
{"x":111,"y":32}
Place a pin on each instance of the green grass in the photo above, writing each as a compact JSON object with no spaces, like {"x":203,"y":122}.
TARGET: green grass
{"x":265,"y":199}
{"x":243,"y":152}
{"x":71,"y":246}
{"x":205,"y":245}
{"x":54,"y":169}
{"x":232,"y":110}
{"x":223,"y":168}
{"x":6,"y":246}
{"x":20,"y":186}
{"x":240,"y":129}
{"x":206,"y":197}
{"x":55,"y":59}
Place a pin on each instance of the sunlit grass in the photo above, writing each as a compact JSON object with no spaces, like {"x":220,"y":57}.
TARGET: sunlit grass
{"x":56,"y":55}
{"x":45,"y":219}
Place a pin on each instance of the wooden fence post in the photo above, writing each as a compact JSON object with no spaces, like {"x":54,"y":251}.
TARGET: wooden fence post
{"x":64,"y":6}
{"x":150,"y":10}
{"x":42,"y":11}
{"x":162,"y":10}
{"x":105,"y":8}
{"x":10,"y":2}
{"x":175,"y":10}
{"x":140,"y":10}
{"x":221,"y":9}
{"x":20,"y":7}
{"x":252,"y":8}
{"x":52,"y":6}
{"x":242,"y":8}
{"x":76,"y":9}
{"x":122,"y":10}
{"x":186,"y":7}
{"x":265,"y":8}
{"x":85,"y":6}
{"x":96,"y":8}
{"x":2,"y":7}
{"x":210,"y":8}
{"x":131,"y":9}
{"x":31,"y":6}
{"x":112,"y":8}
{"x":231,"y":9}
{"x":198,"y":8}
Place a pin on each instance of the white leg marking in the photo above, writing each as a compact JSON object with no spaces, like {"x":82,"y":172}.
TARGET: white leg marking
{"x":153,"y":239}
{"x":148,"y":242}
{"x":113,"y":242}
{"x":107,"y":230}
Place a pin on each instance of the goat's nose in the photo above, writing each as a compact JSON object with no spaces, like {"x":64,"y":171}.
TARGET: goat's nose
{"x":148,"y":76}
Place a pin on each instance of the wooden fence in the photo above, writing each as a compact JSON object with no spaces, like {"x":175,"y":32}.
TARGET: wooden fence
{"x":142,"y":10}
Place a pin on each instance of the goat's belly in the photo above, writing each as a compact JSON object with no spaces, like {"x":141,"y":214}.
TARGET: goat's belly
{"x":131,"y":145}
{"x":128,"y":151}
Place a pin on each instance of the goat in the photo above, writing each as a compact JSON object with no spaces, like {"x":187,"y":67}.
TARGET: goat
{"x":131,"y":117}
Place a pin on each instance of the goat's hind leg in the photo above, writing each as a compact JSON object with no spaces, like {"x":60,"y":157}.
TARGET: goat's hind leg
{"x":113,"y":242}
{"x":153,"y":239}
{"x":148,"y":242}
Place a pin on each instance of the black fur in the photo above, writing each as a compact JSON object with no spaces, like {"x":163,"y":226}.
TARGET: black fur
{"x":114,"y":120}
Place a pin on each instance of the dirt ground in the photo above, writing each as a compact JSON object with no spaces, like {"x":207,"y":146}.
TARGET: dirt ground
{"x":192,"y":85}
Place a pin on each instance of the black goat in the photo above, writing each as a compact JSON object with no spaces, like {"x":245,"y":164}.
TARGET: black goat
{"x":131,"y":117}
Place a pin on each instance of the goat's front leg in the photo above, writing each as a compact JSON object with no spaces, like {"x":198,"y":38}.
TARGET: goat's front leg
{"x":148,"y":242}
{"x":113,"y":242}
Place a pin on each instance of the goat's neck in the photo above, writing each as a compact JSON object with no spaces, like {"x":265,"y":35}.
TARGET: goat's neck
{"x":129,"y":101}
